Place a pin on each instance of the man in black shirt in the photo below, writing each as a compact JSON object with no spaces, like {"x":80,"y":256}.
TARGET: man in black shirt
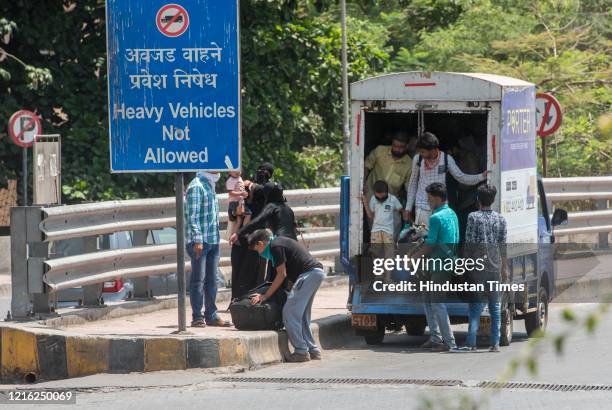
{"x":305,"y":274}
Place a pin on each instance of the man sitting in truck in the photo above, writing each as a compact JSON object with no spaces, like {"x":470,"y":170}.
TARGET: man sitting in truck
{"x":428,"y":166}
{"x":390,"y":164}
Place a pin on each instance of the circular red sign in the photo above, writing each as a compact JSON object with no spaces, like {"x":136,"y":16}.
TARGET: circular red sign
{"x":551,"y":118}
{"x":172,"y":20}
{"x":24,"y":126}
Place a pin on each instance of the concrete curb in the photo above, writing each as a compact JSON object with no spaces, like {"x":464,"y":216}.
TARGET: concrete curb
{"x":595,"y":290}
{"x":582,"y":254}
{"x":30,"y":354}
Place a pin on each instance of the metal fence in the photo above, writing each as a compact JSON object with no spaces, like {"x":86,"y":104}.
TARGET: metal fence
{"x":35,"y":274}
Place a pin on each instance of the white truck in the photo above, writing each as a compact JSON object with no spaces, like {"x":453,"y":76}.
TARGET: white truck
{"x":499,"y":115}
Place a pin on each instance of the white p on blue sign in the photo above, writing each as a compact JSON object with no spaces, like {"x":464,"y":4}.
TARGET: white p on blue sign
{"x":174,"y":85}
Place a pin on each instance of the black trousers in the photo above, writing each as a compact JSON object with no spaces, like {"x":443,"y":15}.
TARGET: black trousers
{"x":248,"y":269}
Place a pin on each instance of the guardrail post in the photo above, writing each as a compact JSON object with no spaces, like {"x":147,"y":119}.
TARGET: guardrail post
{"x":38,"y":251}
{"x":141,"y":284}
{"x":20,"y":297}
{"x":92,"y":294}
{"x":603,"y":236}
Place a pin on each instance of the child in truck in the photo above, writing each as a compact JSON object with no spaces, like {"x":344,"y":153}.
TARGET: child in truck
{"x":239,"y":214}
{"x":382,"y":209}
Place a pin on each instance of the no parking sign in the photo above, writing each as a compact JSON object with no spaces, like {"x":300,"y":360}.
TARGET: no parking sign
{"x":24,"y":126}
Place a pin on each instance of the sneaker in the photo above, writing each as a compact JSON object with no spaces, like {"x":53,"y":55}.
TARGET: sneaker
{"x":464,"y":349}
{"x":429,"y":344}
{"x":441,"y":348}
{"x":494,"y":349}
{"x":315,"y":355}
{"x":298,"y":358}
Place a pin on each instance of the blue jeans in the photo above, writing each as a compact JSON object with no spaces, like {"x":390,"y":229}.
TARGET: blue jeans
{"x":296,"y":312}
{"x":203,"y":284}
{"x":474,"y":316}
{"x":439,"y":324}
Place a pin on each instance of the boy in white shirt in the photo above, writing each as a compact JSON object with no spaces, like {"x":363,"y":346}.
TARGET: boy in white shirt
{"x":382,"y":209}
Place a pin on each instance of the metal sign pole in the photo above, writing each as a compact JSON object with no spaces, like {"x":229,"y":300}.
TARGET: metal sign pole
{"x":180,"y":251}
{"x":544,"y":156}
{"x":25,"y":176}
{"x":346,"y":132}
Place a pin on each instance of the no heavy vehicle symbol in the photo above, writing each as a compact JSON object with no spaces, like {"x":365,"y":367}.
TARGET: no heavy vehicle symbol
{"x":172,"y":20}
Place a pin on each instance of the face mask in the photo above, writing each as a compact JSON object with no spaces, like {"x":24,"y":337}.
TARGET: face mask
{"x":383,"y":199}
{"x":267,"y":253}
{"x":212,"y":178}
{"x":396,"y":154}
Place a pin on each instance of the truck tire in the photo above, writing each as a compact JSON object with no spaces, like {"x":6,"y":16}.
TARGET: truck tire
{"x":416,"y":327}
{"x":537,"y":321}
{"x":506,"y":328}
{"x":375,"y":337}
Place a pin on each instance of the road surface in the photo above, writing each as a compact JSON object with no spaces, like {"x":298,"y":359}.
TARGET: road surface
{"x":586,"y":362}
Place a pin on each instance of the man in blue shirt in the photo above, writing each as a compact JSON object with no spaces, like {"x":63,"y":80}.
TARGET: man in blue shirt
{"x":442,"y":237}
{"x":202,"y":241}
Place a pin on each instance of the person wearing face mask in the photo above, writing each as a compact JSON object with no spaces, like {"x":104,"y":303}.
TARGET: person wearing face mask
{"x":390,"y":164}
{"x":382,"y":209}
{"x":294,"y":265}
{"x":202,"y":242}
{"x":431,"y":165}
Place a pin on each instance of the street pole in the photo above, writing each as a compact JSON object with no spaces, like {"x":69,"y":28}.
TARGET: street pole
{"x":544,"y":156}
{"x":25,"y":175}
{"x":180,"y":251}
{"x":346,"y":132}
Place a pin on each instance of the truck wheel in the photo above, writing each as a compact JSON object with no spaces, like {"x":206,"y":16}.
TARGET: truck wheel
{"x":538,"y":320}
{"x":506,"y":327}
{"x":416,"y":327}
{"x":375,"y":337}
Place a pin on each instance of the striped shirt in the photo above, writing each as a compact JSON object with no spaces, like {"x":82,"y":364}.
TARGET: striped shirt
{"x":420,"y":178}
{"x":201,"y":213}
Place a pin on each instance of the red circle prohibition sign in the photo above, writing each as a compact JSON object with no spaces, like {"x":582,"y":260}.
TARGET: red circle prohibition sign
{"x":551,"y":103}
{"x":31,"y":122}
{"x":172,"y":20}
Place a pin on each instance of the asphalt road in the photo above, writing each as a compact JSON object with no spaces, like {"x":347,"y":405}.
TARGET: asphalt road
{"x":586,"y":361}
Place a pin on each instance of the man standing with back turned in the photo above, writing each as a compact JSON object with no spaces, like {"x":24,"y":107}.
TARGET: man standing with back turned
{"x":202,"y":241}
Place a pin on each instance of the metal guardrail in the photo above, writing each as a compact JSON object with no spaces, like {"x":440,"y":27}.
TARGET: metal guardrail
{"x":35,"y":274}
{"x":598,"y":189}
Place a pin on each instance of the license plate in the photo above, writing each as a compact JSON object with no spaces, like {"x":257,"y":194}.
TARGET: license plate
{"x":362,"y":321}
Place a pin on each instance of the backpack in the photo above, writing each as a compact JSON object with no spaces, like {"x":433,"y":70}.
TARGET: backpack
{"x":450,"y":181}
{"x":262,"y":316}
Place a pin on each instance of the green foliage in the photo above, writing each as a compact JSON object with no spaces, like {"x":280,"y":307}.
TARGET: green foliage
{"x":53,"y":61}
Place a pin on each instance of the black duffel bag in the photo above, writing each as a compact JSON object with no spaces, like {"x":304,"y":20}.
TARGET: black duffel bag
{"x":262,"y":316}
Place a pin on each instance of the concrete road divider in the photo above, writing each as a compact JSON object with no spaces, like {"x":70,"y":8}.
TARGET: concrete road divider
{"x":32,"y":351}
{"x":31,"y":354}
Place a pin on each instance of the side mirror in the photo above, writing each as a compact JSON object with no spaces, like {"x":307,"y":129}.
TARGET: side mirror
{"x":559,"y":217}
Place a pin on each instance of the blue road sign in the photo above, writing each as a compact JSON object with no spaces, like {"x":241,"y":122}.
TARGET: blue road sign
{"x":174,"y":85}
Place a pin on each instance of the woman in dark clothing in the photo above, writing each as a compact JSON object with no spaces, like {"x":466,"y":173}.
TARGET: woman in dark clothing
{"x":248,"y":270}
{"x":279,"y":218}
{"x":276,"y":216}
